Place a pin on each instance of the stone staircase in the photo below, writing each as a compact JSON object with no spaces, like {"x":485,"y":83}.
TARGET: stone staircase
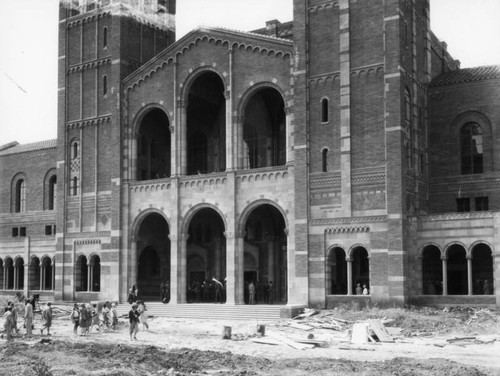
{"x":210,"y":311}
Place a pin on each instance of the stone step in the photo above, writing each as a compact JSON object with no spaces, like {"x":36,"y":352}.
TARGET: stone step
{"x":209,"y":311}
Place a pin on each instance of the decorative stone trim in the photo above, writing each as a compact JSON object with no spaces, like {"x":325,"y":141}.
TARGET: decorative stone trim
{"x":347,"y":229}
{"x":347,"y":220}
{"x":453,"y":216}
{"x":87,"y":241}
{"x":164,"y":185}
{"x":262,"y":175}
{"x":323,"y":6}
{"x":203,"y":36}
{"x":73,"y":235}
{"x":203,"y":181}
{"x":88,"y":65}
{"x":88,"y":122}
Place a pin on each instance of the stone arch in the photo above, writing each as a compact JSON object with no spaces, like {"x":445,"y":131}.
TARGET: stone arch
{"x":143,"y":111}
{"x":251,"y":206}
{"x":359,"y":257}
{"x":189,"y":215}
{"x":336,"y":270}
{"x":136,"y":224}
{"x":432,"y":272}
{"x":481,"y":254}
{"x":34,"y":270}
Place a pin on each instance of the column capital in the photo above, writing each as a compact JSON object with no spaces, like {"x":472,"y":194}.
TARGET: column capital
{"x":348,"y":259}
{"x":444,"y":258}
{"x":173,"y":237}
{"x":171,"y":129}
{"x":227,"y":94}
{"x":184,"y":237}
{"x":181,"y":103}
{"x":288,"y":111}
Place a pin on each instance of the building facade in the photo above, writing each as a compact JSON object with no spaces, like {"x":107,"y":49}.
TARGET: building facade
{"x":311,"y":158}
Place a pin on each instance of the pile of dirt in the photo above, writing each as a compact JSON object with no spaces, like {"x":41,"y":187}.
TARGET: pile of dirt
{"x":57,"y":358}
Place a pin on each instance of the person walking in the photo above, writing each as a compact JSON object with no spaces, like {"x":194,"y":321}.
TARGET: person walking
{"x":7,"y":322}
{"x":46,"y":318}
{"x":143,"y":315}
{"x":75,"y":318}
{"x":28,"y":317}
{"x":133,"y":317}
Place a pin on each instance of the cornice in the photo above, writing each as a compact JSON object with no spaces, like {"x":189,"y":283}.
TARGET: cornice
{"x":347,"y":220}
{"x":88,"y":65}
{"x":89,"y":122}
{"x":322,"y":6}
{"x":86,"y":235}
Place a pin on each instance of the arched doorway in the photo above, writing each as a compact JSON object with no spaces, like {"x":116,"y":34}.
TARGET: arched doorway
{"x":206,"y":125}
{"x":482,"y":270}
{"x":95,"y":273}
{"x":19,"y":274}
{"x":153,"y":262}
{"x":264,"y":130}
{"x":47,"y":274}
{"x":360,"y":269}
{"x":153,"y":146}
{"x":34,"y":274}
{"x":432,"y":271}
{"x":336,"y":272}
{"x":81,"y":275}
{"x":265,"y":256}
{"x":457,"y":270}
{"x":206,"y":258}
{"x":9,"y":271}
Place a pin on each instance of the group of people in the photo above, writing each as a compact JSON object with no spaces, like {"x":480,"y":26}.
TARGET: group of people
{"x":209,"y":291}
{"x":11,"y":314}
{"x":86,"y":316}
{"x":262,"y":293}
{"x":362,"y":290}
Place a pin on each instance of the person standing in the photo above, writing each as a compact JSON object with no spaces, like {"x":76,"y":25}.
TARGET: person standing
{"x":114,"y":316}
{"x":251,"y":293}
{"x":46,"y":318}
{"x":133,"y":317}
{"x":75,"y":318}
{"x":28,"y":317}
{"x":84,"y":320}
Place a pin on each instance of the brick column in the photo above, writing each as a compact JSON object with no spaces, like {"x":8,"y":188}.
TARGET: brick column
{"x":345,"y":109}
{"x":181,"y":139}
{"x":174,"y":268}
{"x":289,"y":135}
{"x":232,"y":267}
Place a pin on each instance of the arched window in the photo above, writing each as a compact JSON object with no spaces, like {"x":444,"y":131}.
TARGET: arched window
{"x":324,"y":160}
{"x":74,"y":150}
{"x":52,"y":192}
{"x":471,"y":148}
{"x":20,"y":202}
{"x":324,"y":110}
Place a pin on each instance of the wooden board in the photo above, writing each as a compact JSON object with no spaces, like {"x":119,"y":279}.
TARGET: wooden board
{"x":291,"y":343}
{"x":380,"y":330}
{"x":266,"y":341}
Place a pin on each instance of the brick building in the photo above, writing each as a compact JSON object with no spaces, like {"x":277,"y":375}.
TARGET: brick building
{"x":342,"y":149}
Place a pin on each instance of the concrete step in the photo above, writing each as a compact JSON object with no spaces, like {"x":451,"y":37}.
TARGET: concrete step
{"x":209,"y":311}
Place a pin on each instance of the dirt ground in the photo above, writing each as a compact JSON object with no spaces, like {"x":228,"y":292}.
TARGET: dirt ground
{"x":426,"y":345}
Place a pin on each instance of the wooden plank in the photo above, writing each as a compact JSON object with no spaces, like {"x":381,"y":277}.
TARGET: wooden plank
{"x":314,"y":342}
{"x":289,"y":342}
{"x":300,"y":326}
{"x":380,"y":330}
{"x":266,"y":341}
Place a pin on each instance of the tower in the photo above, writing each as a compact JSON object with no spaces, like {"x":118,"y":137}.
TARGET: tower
{"x":100,"y":43}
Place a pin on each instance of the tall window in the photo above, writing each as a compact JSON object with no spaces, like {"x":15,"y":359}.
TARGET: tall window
{"x":74,"y":150}
{"x":20,"y":196}
{"x":104,"y":85}
{"x":73,"y":191}
{"x":105,"y":37}
{"x":324,"y":110}
{"x":52,"y":192}
{"x":407,"y":105}
{"x":471,"y":147}
{"x":463,"y":204}
{"x":481,"y":203}
{"x":324,"y":160}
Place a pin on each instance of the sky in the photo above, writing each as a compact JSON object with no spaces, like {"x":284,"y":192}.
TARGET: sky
{"x":28,"y":45}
